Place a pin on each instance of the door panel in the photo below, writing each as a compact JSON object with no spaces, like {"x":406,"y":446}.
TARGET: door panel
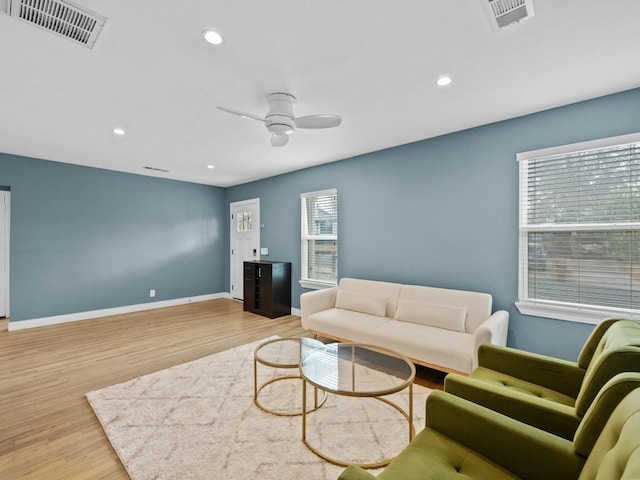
{"x":244,"y":241}
{"x":4,"y":253}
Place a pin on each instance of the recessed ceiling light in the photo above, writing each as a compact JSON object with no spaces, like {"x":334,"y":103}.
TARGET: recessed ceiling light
{"x":212,"y":37}
{"x":210,"y":167}
{"x":118,"y":131}
{"x":443,"y":81}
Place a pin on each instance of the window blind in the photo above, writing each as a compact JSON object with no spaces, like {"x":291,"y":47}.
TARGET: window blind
{"x":320,"y":236}
{"x":580,"y":230}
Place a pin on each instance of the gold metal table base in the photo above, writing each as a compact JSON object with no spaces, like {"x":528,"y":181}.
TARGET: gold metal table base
{"x":316,"y":404}
{"x":382,"y":463}
{"x":277,"y":362}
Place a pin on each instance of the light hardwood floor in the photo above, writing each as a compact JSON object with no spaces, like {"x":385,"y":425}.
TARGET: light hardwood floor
{"x":47,"y":428}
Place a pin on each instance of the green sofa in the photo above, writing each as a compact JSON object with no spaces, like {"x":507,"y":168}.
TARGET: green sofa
{"x":546,"y":392}
{"x":463,"y":440}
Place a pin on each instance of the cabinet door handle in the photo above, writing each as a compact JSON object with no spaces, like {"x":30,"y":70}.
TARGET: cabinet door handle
{"x":259,"y":272}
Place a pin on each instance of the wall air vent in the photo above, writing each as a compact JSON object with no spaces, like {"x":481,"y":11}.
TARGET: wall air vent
{"x":64,"y":18}
{"x":156,"y":169}
{"x":503,"y":13}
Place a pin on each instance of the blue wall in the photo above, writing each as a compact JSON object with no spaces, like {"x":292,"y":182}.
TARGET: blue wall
{"x":86,"y":239}
{"x":441,"y":212}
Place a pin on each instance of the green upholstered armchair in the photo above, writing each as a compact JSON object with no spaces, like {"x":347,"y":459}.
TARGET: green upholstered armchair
{"x":463,"y":440}
{"x":546,"y":392}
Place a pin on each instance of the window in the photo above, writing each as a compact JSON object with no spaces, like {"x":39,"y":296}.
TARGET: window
{"x":319,"y":239}
{"x":580,"y":230}
{"x":244,"y":222}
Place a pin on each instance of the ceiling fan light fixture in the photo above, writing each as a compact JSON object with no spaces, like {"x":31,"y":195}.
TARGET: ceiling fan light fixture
{"x":280,"y":129}
{"x":214,"y":38}
{"x":281,"y":122}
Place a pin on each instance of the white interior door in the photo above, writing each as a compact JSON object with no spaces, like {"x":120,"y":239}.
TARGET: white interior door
{"x":244,"y":241}
{"x":4,"y":254}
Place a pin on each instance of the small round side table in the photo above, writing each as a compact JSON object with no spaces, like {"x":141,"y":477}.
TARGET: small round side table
{"x":281,"y":353}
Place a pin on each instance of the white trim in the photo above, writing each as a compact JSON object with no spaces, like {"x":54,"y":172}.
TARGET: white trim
{"x":75,"y":317}
{"x":305,"y":237}
{"x":581,"y":227}
{"x":7,"y":225}
{"x":315,"y":284}
{"x":319,"y":193}
{"x":582,"y":314}
{"x":296,"y":311}
{"x":556,"y":309}
{"x":579,"y":147}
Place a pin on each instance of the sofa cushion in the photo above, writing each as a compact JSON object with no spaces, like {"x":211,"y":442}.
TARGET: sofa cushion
{"x":613,"y":392}
{"x":345,"y":324}
{"x":387,"y":290}
{"x":451,"y":317}
{"x":478,"y":304}
{"x":617,"y":351}
{"x":434,"y":456}
{"x":519,"y":387}
{"x":361,"y":302}
{"x":616,"y":452}
{"x":521,"y":401}
{"x":432,"y":345}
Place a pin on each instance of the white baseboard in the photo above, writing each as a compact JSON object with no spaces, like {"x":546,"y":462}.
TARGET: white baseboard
{"x":295,"y":311}
{"x":75,"y":317}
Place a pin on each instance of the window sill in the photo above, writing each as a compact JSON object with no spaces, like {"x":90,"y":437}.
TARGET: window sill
{"x":316,"y":284}
{"x":592,"y":315}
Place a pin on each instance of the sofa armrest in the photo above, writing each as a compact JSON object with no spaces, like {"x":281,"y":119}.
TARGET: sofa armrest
{"x":316,"y":301}
{"x":554,"y":373}
{"x":356,"y":473}
{"x":493,"y":330}
{"x":515,"y":446}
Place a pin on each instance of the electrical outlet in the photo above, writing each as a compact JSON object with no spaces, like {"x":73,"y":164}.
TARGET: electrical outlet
{"x":152,"y":293}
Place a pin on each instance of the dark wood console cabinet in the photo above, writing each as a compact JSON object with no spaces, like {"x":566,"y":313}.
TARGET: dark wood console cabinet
{"x":267,"y":288}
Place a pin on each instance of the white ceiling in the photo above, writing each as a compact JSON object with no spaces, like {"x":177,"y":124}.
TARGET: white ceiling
{"x":374,"y":62}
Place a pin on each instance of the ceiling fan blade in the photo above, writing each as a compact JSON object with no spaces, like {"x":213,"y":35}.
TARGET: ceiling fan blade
{"x":241,"y":114}
{"x":279,"y":140}
{"x":319,"y":121}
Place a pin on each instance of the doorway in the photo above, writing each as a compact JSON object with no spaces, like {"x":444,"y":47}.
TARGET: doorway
{"x":4,"y":253}
{"x":244,"y":240}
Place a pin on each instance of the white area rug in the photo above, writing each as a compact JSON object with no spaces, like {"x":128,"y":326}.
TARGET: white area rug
{"x":198,"y":421}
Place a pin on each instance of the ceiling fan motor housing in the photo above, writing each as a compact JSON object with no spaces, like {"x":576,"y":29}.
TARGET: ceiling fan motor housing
{"x":280,"y":120}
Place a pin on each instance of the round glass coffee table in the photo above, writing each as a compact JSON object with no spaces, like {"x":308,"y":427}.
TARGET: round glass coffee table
{"x":281,"y":353}
{"x":355,"y":370}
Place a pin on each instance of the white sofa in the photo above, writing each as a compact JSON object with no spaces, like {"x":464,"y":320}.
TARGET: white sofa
{"x":436,"y":327}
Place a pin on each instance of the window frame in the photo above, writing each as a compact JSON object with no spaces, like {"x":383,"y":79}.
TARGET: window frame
{"x":552,"y":309}
{"x":305,"y":237}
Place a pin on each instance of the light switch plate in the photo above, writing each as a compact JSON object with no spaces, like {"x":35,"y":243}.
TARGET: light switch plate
{"x":264,"y":251}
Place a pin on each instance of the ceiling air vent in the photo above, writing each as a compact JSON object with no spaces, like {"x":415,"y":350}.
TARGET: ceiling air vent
{"x":503,"y":13}
{"x":66,"y":19}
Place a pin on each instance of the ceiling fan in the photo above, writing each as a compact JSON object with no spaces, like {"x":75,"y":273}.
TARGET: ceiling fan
{"x":281,"y":121}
